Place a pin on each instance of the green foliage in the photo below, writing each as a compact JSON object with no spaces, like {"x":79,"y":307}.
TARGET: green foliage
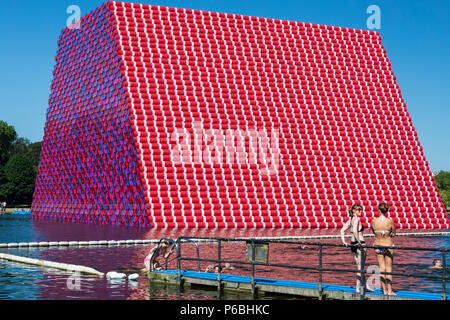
{"x":19,"y":159}
{"x":19,"y":169}
{"x":7,"y":191}
{"x":445,"y":196}
{"x":7,"y":136}
{"x":20,"y":145}
{"x":34,"y":152}
{"x":442,"y":179}
{"x":2,"y":177}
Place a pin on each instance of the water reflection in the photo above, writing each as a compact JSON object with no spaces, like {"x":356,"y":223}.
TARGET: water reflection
{"x":18,"y":281}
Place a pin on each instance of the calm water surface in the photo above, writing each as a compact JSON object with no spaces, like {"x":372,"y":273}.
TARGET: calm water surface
{"x":19,"y":281}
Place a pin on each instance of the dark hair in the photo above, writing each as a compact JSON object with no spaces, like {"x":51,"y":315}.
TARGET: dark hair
{"x":356,"y":205}
{"x":435,"y":261}
{"x":383,"y":207}
{"x":165,"y":242}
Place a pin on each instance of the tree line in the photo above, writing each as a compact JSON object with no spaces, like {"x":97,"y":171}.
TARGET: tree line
{"x":442,"y":179}
{"x":19,"y":159}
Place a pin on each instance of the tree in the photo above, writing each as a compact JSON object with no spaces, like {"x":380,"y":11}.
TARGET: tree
{"x":34,"y":152}
{"x":445,"y":197}
{"x":7,"y":192}
{"x":2,"y":176}
{"x":7,"y":136}
{"x":19,"y":159}
{"x":20,"y":145}
{"x":442,"y":179}
{"x":21,"y":175}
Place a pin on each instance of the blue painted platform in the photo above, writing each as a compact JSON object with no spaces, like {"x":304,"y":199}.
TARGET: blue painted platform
{"x":298,"y":284}
{"x":21,"y":211}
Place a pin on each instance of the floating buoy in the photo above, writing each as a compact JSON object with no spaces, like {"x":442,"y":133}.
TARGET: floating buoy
{"x":115,"y":275}
{"x":133,"y":276}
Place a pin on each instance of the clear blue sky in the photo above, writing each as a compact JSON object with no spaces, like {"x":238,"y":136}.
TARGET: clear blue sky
{"x":416,"y":35}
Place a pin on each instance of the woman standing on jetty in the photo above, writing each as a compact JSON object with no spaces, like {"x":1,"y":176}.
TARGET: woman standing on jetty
{"x":356,"y":228}
{"x":384,"y":230}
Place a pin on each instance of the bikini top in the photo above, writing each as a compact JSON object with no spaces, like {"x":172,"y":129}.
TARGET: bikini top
{"x":383,"y":232}
{"x":362,"y":227}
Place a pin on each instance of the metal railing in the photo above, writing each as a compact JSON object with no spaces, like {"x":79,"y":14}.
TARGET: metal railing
{"x":320,"y":269}
{"x":152,"y":258}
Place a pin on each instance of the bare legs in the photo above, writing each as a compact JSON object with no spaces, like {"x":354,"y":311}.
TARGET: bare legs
{"x":388,"y":263}
{"x":385,"y":263}
{"x":359,"y":255}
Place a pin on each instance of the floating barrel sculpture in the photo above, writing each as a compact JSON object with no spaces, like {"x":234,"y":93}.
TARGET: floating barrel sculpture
{"x":152,"y":108}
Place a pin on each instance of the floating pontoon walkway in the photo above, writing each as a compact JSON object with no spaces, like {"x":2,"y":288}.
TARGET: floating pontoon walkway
{"x":265,"y":286}
{"x":51,"y":264}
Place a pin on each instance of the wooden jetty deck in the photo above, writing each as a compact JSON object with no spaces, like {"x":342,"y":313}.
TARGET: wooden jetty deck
{"x":266,"y":286}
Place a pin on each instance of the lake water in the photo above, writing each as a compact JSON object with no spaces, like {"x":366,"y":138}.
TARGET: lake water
{"x":19,"y":281}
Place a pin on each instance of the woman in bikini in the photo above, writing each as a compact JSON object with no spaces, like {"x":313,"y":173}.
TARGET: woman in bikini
{"x":384,"y":230}
{"x":356,"y":228}
{"x":161,"y":251}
